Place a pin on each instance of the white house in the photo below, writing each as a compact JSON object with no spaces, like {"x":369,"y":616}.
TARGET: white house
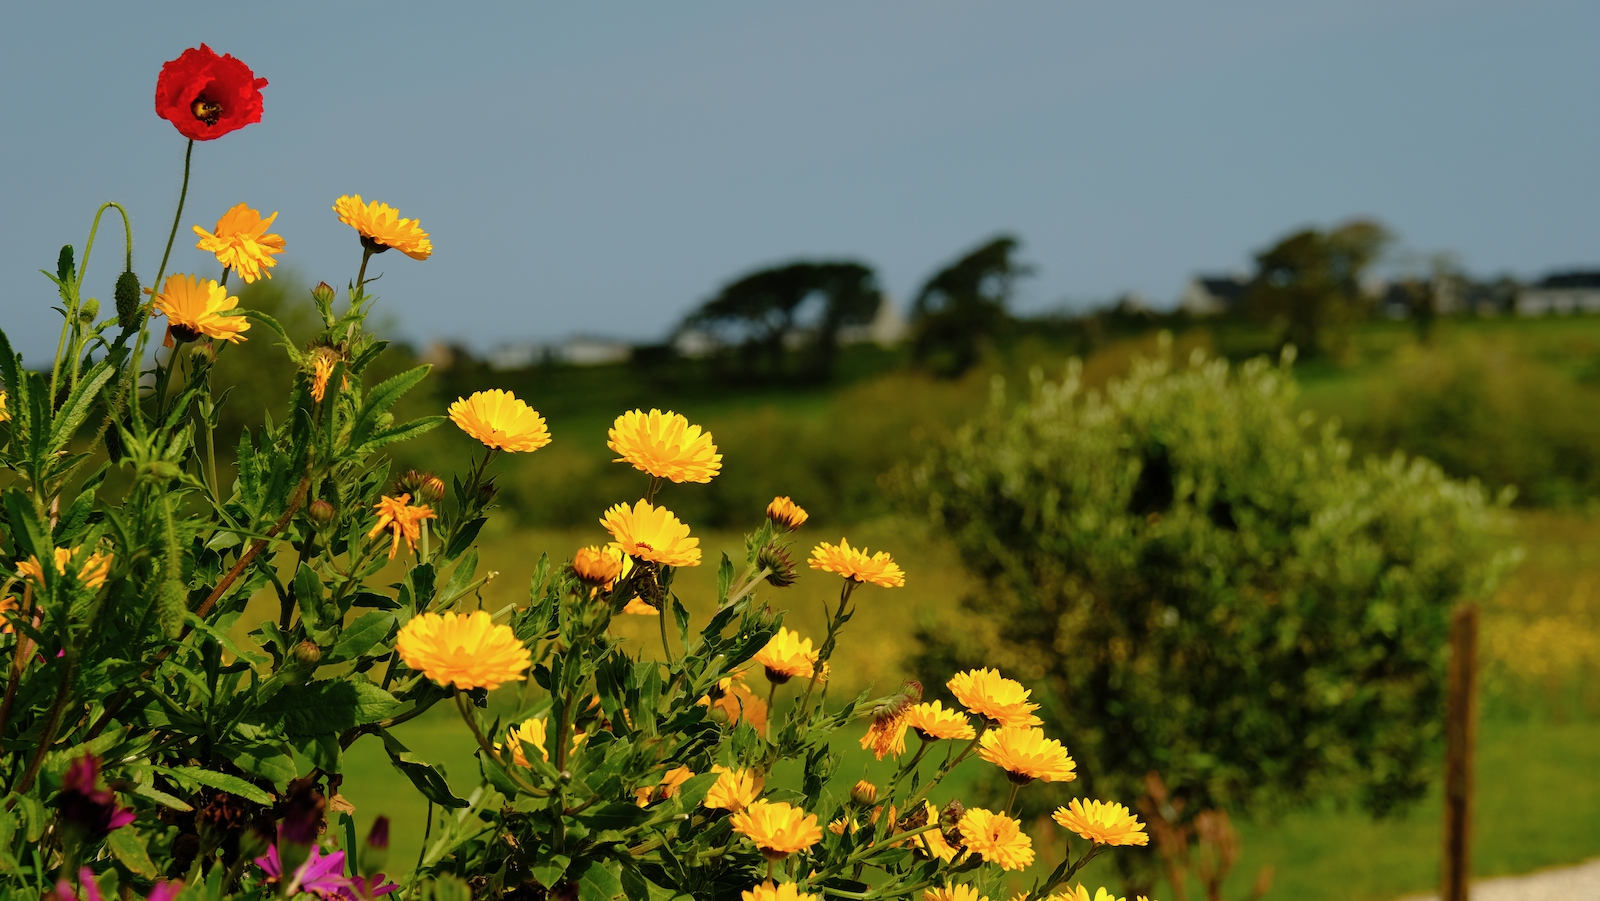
{"x":1212,"y":295}
{"x":1562,"y":293}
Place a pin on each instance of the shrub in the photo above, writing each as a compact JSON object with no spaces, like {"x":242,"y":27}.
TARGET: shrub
{"x":1201,"y":585}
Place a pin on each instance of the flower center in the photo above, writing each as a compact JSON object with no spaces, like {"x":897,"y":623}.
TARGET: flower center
{"x":206,"y":111}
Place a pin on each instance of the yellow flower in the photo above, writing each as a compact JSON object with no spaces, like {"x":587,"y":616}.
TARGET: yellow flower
{"x":599,"y":566}
{"x":242,"y":244}
{"x":778,"y":829}
{"x":651,"y":533}
{"x":1082,"y":894}
{"x":532,"y":731}
{"x":381,"y":227}
{"x":853,"y":563}
{"x":646,"y":795}
{"x":464,"y":650}
{"x":92,"y":574}
{"x":5,"y":415}
{"x":735,"y":789}
{"x":767,"y":891}
{"x":498,"y":419}
{"x":1102,"y":822}
{"x":736,"y":700}
{"x":952,"y":892}
{"x":932,"y":721}
{"x":787,"y":655}
{"x":404,"y":521}
{"x":786,"y":514}
{"x":199,"y":306}
{"x":837,"y":827}
{"x":321,"y":370}
{"x":886,"y":735}
{"x":997,"y":838}
{"x":637,"y":607}
{"x":1025,"y":754}
{"x":990,"y":695}
{"x":932,"y":843}
{"x":664,"y":445}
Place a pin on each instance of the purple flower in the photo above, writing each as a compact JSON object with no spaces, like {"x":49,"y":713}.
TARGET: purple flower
{"x":166,"y":890}
{"x":87,"y":806}
{"x":322,"y":875}
{"x":365,"y":888}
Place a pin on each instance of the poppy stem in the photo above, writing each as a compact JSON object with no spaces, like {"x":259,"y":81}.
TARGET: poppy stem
{"x":183,"y":194}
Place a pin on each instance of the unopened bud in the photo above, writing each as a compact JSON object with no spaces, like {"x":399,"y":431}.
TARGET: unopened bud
{"x":307,"y":653}
{"x":431,"y":491}
{"x":779,"y":565}
{"x":88,"y":311}
{"x":321,"y":512}
{"x":864,"y":793}
{"x":322,"y":293}
{"x":127,"y":298}
{"x":376,"y":851}
{"x":486,"y":493}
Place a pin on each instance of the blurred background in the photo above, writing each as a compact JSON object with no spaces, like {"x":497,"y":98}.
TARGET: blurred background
{"x":838,"y":235}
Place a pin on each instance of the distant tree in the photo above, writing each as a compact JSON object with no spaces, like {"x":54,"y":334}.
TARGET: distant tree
{"x":760,"y":315}
{"x":963,"y":306}
{"x":1309,"y":283}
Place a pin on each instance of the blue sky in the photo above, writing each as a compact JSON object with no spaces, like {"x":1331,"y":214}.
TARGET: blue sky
{"x":601,"y":168}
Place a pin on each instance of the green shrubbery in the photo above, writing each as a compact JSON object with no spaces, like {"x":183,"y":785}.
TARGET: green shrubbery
{"x":1201,"y":584}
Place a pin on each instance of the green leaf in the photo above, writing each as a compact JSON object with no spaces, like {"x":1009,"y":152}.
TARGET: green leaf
{"x":381,"y":398}
{"x":360,"y":636}
{"x":459,"y":580}
{"x":428,"y":778}
{"x":550,"y":870}
{"x":308,"y":594}
{"x":599,"y":881}
{"x":233,"y":785}
{"x":724,"y":579}
{"x":128,"y":848}
{"x":270,"y":323}
{"x":264,"y":760}
{"x":405,"y":432}
{"x":321,"y":708}
{"x":76,"y":409}
{"x":159,"y":796}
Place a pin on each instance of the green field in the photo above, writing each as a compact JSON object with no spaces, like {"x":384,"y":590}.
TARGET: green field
{"x":835,"y":447}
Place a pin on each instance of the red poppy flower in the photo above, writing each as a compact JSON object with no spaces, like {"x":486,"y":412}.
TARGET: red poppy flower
{"x":206,"y":96}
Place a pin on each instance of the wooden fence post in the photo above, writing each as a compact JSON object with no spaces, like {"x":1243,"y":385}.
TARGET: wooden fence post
{"x":1460,"y":730}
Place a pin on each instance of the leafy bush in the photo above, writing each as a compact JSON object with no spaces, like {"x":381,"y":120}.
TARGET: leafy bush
{"x":1481,"y":411}
{"x":1199,"y":584}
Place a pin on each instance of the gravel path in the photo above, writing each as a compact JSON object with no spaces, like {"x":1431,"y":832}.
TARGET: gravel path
{"x":1579,"y":883}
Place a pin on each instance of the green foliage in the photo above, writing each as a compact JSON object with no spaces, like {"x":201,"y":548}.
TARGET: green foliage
{"x":1481,"y":410}
{"x":963,"y":306}
{"x":1309,"y":284}
{"x":1200,"y":584}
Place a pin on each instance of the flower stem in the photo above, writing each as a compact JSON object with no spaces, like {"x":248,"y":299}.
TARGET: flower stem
{"x":661,"y":619}
{"x":183,"y":194}
{"x":361,"y":277}
{"x":1011,"y":801}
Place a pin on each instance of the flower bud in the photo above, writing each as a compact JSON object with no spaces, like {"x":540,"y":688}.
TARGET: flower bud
{"x":322,"y":293}
{"x":864,"y":793}
{"x":785,"y":514}
{"x":307,"y":653}
{"x":780,"y":566}
{"x":486,"y":493}
{"x":88,"y":311}
{"x":597,"y":566}
{"x":376,"y":851}
{"x":127,"y":298}
{"x":952,"y":813}
{"x":431,"y":491}
{"x":321,"y":512}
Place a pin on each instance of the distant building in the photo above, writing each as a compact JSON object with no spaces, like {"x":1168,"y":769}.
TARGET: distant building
{"x":1213,"y":295}
{"x":887,"y":328}
{"x":695,"y":344}
{"x":1562,"y":293}
{"x":581,"y":350}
